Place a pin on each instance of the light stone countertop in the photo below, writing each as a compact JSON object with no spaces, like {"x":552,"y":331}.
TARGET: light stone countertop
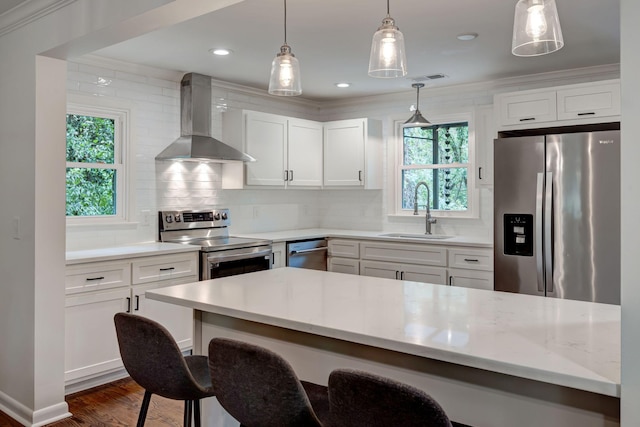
{"x":130,"y":251}
{"x":569,"y":343}
{"x":312,"y":233}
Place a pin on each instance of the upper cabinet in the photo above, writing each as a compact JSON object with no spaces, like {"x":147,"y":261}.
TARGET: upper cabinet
{"x":292,"y":152}
{"x":353,"y":153}
{"x":485,"y":133}
{"x":584,"y":103}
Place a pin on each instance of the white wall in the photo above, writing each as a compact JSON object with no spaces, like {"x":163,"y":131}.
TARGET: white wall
{"x":155,"y":97}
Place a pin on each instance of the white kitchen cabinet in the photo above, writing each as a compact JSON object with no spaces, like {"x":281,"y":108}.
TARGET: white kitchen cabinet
{"x":485,"y":133}
{"x":92,"y":355}
{"x":400,"y":271}
{"x":470,"y":278}
{"x":279,"y":257}
{"x":583,"y":103}
{"x":413,"y":253}
{"x":343,"y":248}
{"x":353,"y":153}
{"x":594,"y":100}
{"x":288,"y":151}
{"x":343,"y":265}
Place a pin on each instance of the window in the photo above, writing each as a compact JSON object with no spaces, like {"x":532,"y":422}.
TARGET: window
{"x":95,"y":154}
{"x":439,"y":156}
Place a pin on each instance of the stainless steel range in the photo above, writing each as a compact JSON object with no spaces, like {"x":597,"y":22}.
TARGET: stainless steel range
{"x":220,"y":254}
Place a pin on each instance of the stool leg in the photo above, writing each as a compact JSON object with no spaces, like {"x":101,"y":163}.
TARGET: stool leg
{"x":143,"y":409}
{"x":196,"y":413}
{"x":187,"y":413}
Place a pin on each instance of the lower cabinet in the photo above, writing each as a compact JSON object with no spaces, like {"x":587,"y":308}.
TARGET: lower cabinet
{"x":92,"y":354}
{"x":469,"y":267}
{"x":416,"y":273}
{"x":279,"y":257}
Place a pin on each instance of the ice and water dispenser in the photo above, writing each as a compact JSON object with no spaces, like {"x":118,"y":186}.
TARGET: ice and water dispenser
{"x":518,"y":234}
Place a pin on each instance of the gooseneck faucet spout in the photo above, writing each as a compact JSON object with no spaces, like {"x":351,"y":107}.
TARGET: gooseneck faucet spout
{"x":428,"y":219}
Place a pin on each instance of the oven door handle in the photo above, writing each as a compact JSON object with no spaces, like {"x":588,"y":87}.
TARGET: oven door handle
{"x":235,"y":257}
{"x":306,"y":251}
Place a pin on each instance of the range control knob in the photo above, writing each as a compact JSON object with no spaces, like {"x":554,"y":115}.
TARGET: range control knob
{"x":224,"y":215}
{"x":216,"y":216}
{"x":169,"y":218}
{"x":178,"y":219}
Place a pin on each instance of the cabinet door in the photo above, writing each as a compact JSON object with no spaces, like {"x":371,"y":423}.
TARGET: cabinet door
{"x":385,"y":270}
{"x":343,"y":265}
{"x":344,"y":153}
{"x":476,"y":279}
{"x":527,"y":108}
{"x":91,"y":346}
{"x":590,"y":101}
{"x":304,"y":153}
{"x":485,"y":133}
{"x":279,"y":257}
{"x":265,"y":140}
{"x":344,"y":248}
{"x":177,"y":319}
{"x":425,"y":274}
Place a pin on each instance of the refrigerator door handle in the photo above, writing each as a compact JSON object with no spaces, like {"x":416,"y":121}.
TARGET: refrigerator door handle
{"x":548,"y":224}
{"x":538,"y":226}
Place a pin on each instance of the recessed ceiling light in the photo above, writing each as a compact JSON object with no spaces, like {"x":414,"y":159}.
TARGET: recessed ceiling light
{"x":343,"y":85}
{"x":220,"y":51}
{"x":467,"y":36}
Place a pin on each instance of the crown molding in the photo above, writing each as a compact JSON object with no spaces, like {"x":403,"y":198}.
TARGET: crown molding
{"x":27,"y":12}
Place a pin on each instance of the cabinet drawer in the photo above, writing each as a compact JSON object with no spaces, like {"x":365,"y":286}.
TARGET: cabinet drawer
{"x":97,"y":276}
{"x":411,"y":272}
{"x":592,"y":101}
{"x":404,"y":253}
{"x":344,"y":248}
{"x":165,"y":267}
{"x":344,"y":265}
{"x":474,"y":259}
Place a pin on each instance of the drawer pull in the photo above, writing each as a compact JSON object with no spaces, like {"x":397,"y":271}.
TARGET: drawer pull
{"x":450,"y":280}
{"x":471,"y":260}
{"x":167,"y":269}
{"x":137,"y":303}
{"x":128,"y":305}
{"x":95,"y":278}
{"x":527,"y":119}
{"x":587,"y":114}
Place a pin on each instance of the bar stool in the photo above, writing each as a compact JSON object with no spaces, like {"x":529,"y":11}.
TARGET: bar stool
{"x":362,"y":399}
{"x":154,"y":360}
{"x":259,"y":388}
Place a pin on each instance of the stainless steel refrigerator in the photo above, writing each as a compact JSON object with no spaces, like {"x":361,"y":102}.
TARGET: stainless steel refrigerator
{"x":557,"y":215}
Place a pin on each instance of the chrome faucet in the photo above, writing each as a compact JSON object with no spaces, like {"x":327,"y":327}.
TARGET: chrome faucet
{"x":428,"y":219}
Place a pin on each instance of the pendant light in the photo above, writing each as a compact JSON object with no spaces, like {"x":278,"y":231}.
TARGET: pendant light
{"x":536,"y":28}
{"x":417,"y":120}
{"x":387,"y":58}
{"x":285,"y":69}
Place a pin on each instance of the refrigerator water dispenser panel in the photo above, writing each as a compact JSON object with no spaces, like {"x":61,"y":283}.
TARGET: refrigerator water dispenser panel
{"x":518,"y":234}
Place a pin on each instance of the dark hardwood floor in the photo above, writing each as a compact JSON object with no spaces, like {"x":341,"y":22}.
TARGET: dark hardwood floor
{"x":114,"y":404}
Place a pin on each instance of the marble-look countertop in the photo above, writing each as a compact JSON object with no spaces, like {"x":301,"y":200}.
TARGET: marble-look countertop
{"x":312,"y":233}
{"x":568,"y":343}
{"x":131,"y":251}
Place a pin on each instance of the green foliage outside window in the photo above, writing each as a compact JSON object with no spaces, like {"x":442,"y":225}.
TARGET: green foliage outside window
{"x":426,"y":154}
{"x":91,"y":184}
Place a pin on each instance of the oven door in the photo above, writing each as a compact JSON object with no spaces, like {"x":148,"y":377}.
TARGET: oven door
{"x":230,"y":262}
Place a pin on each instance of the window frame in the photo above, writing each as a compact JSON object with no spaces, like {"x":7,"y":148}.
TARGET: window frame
{"x":472,"y":210}
{"x":121,"y":113}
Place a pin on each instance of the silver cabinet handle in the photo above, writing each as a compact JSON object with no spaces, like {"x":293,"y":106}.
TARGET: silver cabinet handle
{"x":548,"y":232}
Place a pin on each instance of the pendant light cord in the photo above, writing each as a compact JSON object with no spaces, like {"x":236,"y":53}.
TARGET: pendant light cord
{"x":417,"y":98}
{"x":388,"y":8}
{"x":285,"y":21}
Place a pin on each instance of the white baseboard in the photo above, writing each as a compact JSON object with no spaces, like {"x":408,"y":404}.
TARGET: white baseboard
{"x":28,"y":417}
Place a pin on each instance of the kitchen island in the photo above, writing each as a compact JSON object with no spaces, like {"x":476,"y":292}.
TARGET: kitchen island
{"x":490,"y":358}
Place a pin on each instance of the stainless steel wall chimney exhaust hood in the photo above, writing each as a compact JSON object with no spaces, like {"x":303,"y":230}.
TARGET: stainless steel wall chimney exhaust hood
{"x":195,"y":142}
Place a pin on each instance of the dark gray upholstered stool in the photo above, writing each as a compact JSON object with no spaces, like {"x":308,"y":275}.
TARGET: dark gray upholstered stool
{"x":361,"y":399}
{"x":152,"y":358}
{"x":260,"y":389}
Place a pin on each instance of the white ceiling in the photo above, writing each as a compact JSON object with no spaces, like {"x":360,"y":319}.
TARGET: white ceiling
{"x":332,"y":39}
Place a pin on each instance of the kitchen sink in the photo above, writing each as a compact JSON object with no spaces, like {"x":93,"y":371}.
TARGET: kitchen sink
{"x":417,"y":236}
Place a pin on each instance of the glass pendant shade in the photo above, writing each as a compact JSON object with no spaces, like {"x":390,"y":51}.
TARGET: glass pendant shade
{"x":388,"y":58}
{"x":285,"y":74}
{"x":536,"y":28}
{"x":417,"y":120}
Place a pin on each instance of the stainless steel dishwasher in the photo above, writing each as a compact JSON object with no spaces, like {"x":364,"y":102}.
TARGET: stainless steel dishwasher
{"x":310,"y":254}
